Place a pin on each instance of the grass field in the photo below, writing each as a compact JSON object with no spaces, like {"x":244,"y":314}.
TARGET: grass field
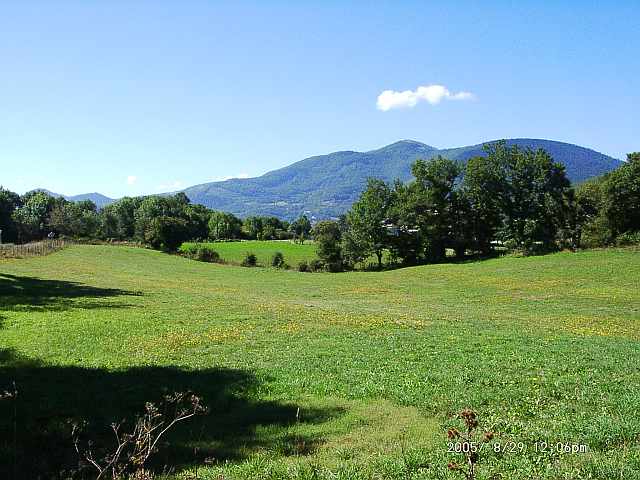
{"x":294,"y":253}
{"x":378,"y":364}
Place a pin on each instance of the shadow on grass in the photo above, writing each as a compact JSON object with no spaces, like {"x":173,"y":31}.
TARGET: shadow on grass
{"x":50,"y":396}
{"x":26,"y":294}
{"x":471,"y":258}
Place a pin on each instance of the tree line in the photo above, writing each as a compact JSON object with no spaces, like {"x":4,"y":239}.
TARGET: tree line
{"x":162,"y":222}
{"x":512,"y":199}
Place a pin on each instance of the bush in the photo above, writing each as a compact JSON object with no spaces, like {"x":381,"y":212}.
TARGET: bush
{"x":250,"y":260}
{"x":277,"y":260}
{"x":316,"y":265}
{"x":284,"y":235}
{"x":207,"y":254}
{"x":200,"y":252}
{"x":185,"y":249}
{"x":335,"y":267}
{"x":596,"y":233}
{"x":628,"y":238}
{"x":303,"y":266}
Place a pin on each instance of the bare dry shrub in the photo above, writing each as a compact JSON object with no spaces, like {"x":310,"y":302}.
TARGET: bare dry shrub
{"x":131,"y":451}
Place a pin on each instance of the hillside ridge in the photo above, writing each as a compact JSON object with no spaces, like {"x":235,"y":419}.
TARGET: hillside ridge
{"x":325,"y":186}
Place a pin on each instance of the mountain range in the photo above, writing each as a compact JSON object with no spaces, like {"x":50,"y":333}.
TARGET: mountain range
{"x":325,"y":186}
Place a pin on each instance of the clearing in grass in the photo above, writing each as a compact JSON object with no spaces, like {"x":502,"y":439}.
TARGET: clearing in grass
{"x":235,"y":252}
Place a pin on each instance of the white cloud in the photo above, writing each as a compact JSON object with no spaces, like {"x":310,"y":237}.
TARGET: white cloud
{"x":432,"y":94}
{"x":131,"y":179}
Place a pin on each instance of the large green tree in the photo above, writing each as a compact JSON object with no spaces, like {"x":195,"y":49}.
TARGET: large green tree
{"x":271,"y":227}
{"x":197,"y":218}
{"x":166,"y":233}
{"x":534,"y":198}
{"x":521,"y":195}
{"x":9,"y":202}
{"x":119,"y":218}
{"x":405,"y":238}
{"x":462,"y":227}
{"x":153,"y":207}
{"x":252,"y":227}
{"x":74,"y":219}
{"x":300,"y":228}
{"x":32,"y":216}
{"x":327,"y":236}
{"x":366,"y":223}
{"x":224,"y":226}
{"x":621,"y":192}
{"x":430,"y":197}
{"x":483,"y":187}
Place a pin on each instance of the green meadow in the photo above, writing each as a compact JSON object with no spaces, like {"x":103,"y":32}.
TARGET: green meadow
{"x":326,"y":376}
{"x":235,"y":252}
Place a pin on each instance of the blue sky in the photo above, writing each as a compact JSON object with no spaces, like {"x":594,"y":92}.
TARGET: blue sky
{"x":126,"y":97}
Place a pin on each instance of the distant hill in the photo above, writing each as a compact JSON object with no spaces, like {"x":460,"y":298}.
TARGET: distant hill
{"x":100,"y":200}
{"x":326,"y":185}
{"x":97,"y":198}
